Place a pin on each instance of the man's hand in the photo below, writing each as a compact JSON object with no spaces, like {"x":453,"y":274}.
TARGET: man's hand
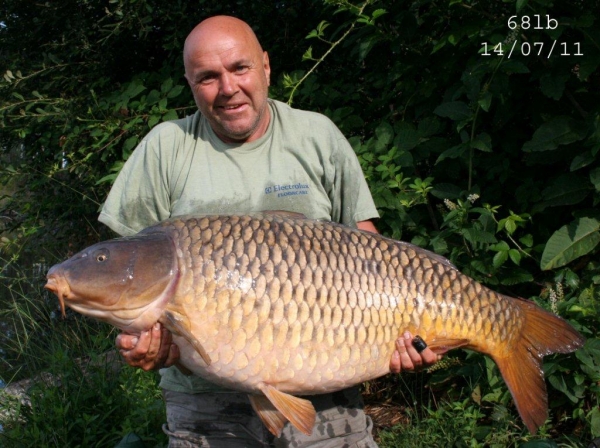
{"x":151,"y":350}
{"x":406,"y":356}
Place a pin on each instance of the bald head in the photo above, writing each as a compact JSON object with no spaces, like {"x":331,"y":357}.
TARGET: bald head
{"x":229,"y":75}
{"x":219,"y":30}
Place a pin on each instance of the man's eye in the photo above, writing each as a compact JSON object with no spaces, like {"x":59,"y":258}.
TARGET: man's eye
{"x":206,"y":79}
{"x":242,"y":69}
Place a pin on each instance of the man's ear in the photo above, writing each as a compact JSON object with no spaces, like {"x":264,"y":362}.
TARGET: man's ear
{"x":267,"y":67}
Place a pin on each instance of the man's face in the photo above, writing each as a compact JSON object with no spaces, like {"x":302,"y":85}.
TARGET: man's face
{"x":229,"y":78}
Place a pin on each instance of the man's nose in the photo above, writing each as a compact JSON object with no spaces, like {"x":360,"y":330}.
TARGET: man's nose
{"x":229,"y":84}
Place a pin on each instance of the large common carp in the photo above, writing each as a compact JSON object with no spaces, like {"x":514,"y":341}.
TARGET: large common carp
{"x":279,"y":305}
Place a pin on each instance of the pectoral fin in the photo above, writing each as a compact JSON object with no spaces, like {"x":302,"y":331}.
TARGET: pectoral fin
{"x":178,"y":324}
{"x":298,"y":411}
{"x":441,"y":346}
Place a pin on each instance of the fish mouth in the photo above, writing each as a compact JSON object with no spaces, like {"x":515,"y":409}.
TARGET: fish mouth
{"x":60,"y":287}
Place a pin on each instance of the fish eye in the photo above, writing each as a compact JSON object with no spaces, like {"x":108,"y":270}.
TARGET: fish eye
{"x":101,"y":256}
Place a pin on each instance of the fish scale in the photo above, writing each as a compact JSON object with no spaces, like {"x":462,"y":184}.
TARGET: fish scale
{"x":281,"y":306}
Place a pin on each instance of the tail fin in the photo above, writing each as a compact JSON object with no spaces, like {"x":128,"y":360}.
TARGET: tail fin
{"x":543,"y":333}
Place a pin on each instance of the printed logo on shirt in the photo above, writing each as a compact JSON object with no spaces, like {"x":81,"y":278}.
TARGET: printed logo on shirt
{"x":287,"y":190}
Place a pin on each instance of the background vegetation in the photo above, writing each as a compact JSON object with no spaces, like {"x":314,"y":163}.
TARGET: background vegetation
{"x":477,"y":125}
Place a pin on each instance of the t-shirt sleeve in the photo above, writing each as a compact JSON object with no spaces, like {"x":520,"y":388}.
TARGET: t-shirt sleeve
{"x":140,"y":195}
{"x":351,"y":199}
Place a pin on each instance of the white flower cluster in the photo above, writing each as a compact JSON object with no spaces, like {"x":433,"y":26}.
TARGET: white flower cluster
{"x":449,"y":204}
{"x":512,"y":36}
{"x":555,"y":296}
{"x":472,"y":198}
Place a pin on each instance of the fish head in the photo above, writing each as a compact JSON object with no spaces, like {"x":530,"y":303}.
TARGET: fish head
{"x":126,"y":282}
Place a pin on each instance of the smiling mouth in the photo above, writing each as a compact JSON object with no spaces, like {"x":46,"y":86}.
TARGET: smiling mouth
{"x":232,"y":107}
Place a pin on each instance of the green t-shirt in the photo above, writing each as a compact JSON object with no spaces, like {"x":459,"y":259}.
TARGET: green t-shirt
{"x":302,"y":164}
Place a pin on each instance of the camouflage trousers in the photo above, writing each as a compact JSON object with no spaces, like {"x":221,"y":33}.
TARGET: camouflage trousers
{"x":227,"y":420}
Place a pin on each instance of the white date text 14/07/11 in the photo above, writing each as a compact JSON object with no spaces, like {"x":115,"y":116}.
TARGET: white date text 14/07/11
{"x":532,"y":49}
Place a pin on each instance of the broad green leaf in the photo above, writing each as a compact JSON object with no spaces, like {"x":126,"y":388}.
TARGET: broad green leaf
{"x":483,"y":142}
{"x":485,"y":101}
{"x":501,"y":246}
{"x":589,"y":355}
{"x":175,"y":91}
{"x":510,"y":225}
{"x":571,"y":242}
{"x":154,"y":118}
{"x":438,"y":46}
{"x":558,"y":131}
{"x":500,"y":258}
{"x":455,"y":110}
{"x":527,"y":240}
{"x":429,"y":126}
{"x":567,"y":189}
{"x":170,"y":115}
{"x":480,"y":266}
{"x":153,"y":97}
{"x":166,"y":85}
{"x":558,"y":381}
{"x":595,"y":178}
{"x":453,"y":152}
{"x":582,"y":160}
{"x":571,"y":279}
{"x":594,"y":417}
{"x":553,"y":85}
{"x":384,"y":133}
{"x":133,"y":89}
{"x":378,"y":12}
{"x":515,"y":256}
{"x":446,"y":191}
{"x":407,"y":136}
{"x":307,"y":56}
{"x":129,"y":145}
{"x":521,"y":4}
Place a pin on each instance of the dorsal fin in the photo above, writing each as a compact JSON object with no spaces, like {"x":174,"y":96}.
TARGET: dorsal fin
{"x":283,"y":214}
{"x":437,"y":257}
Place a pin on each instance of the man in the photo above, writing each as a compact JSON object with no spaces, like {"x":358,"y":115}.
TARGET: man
{"x":241,"y":153}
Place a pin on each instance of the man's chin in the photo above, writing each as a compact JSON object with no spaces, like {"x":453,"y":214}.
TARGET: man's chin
{"x":233,"y":135}
{"x":231,"y":132}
